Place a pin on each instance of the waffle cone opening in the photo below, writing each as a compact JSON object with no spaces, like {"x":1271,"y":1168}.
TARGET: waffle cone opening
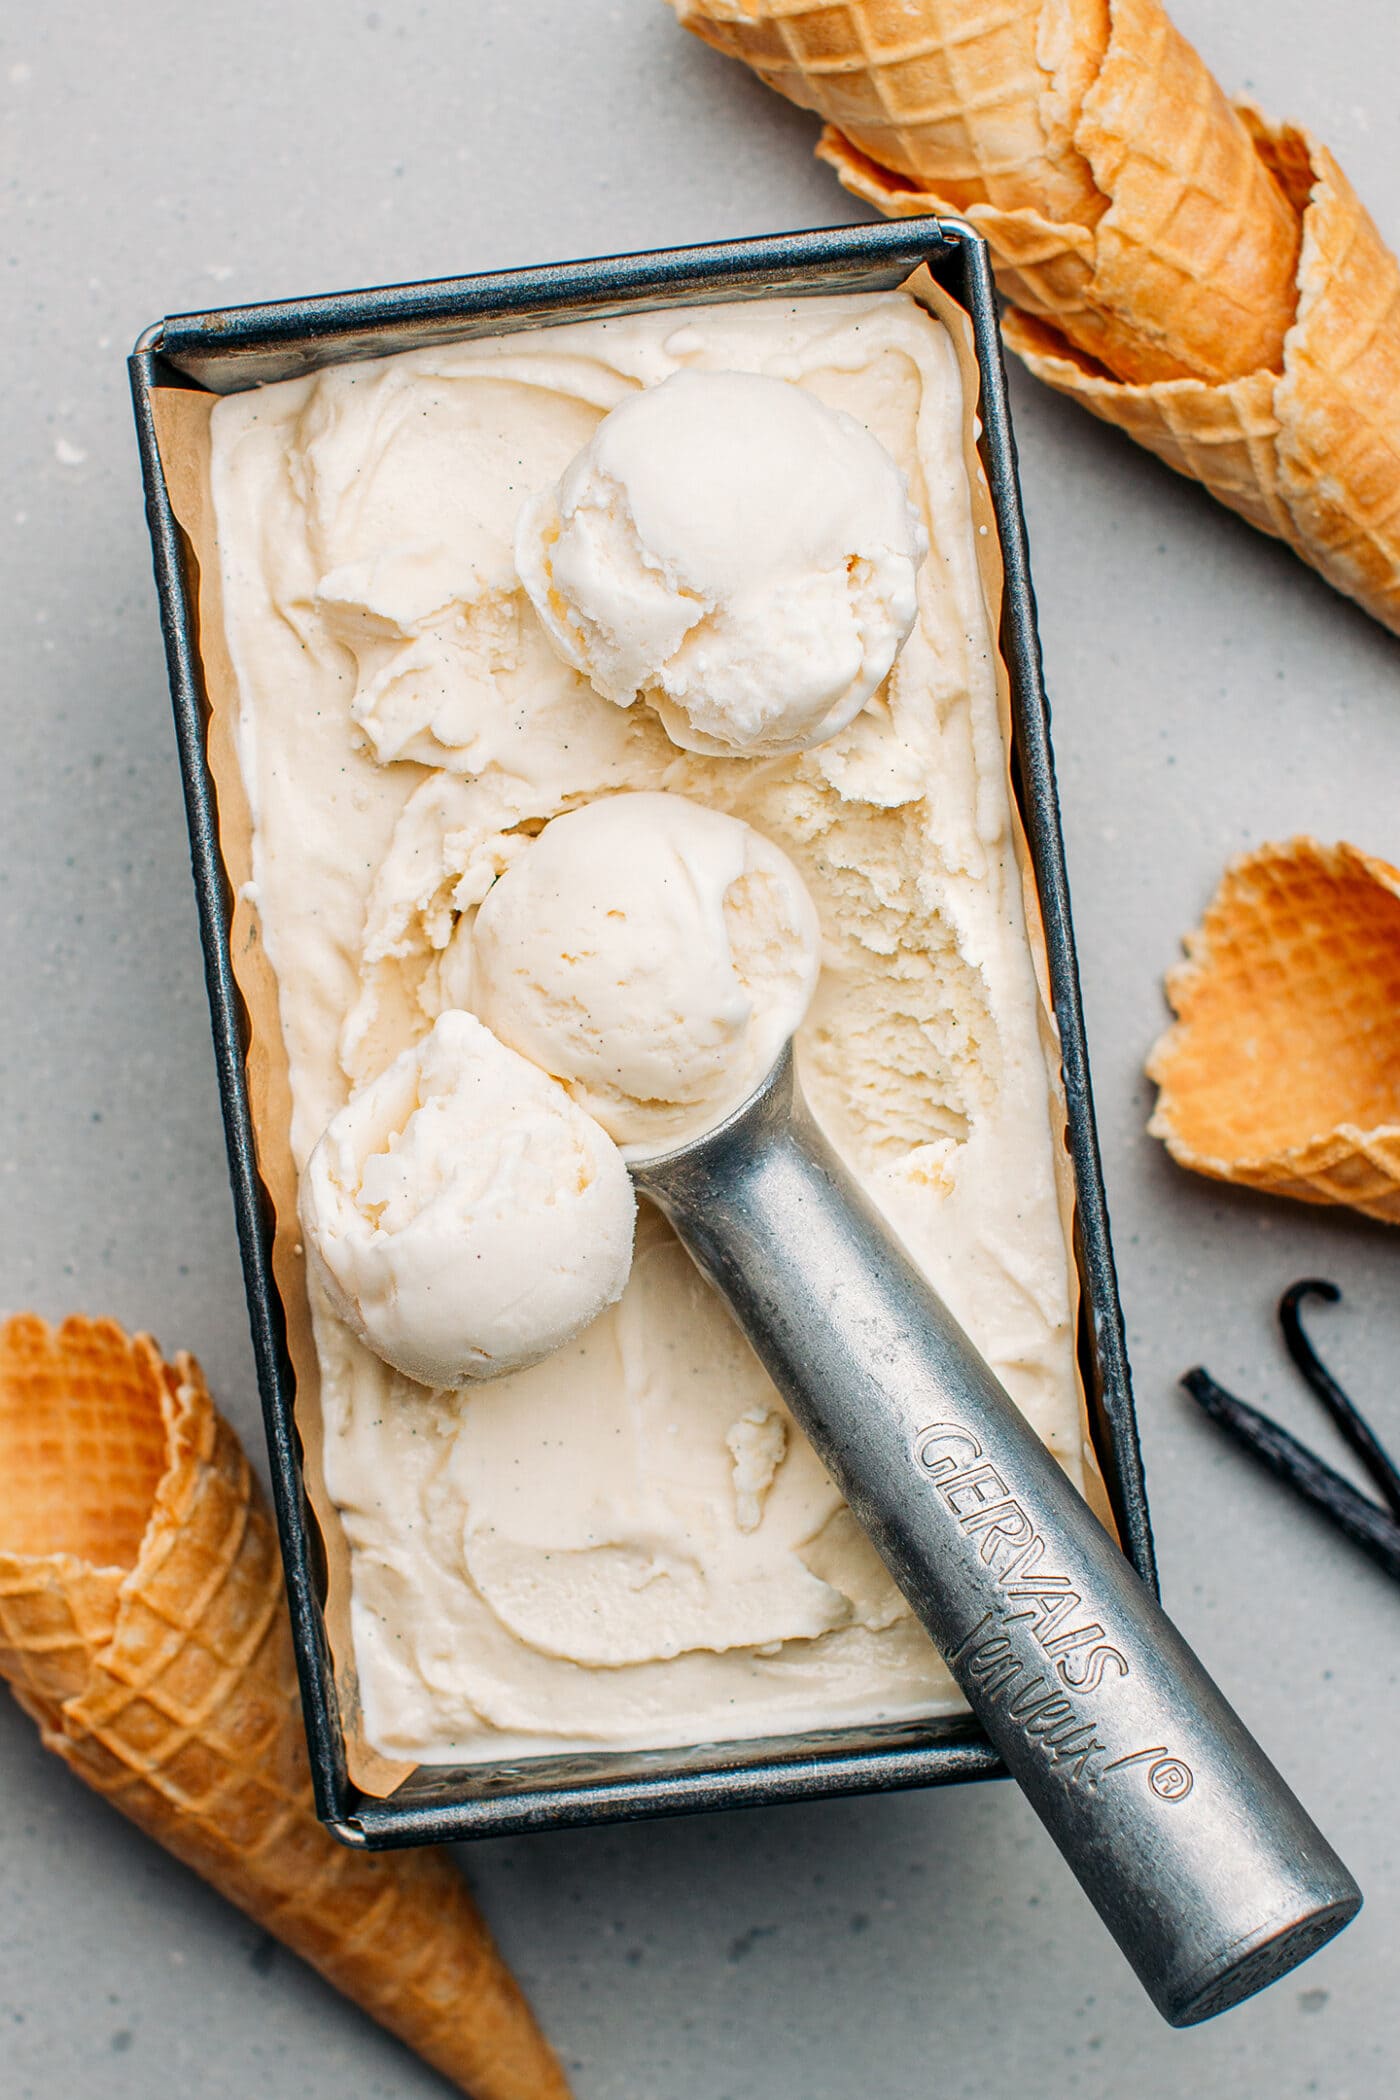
{"x":83,"y":1439}
{"x":143,"y":1626}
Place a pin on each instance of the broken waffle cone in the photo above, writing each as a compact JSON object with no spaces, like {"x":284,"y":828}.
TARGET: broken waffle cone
{"x":1282,"y":1069}
{"x":1201,"y":278}
{"x":143,"y":1625}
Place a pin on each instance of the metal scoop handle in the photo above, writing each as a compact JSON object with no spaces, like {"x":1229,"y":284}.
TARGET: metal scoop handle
{"x":1204,"y":1866}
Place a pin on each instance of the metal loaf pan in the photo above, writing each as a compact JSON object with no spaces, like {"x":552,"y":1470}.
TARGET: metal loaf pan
{"x":243,"y":347}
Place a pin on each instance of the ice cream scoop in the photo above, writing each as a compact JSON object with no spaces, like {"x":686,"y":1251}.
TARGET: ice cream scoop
{"x":626,"y":952}
{"x":652,"y":955}
{"x":733,"y":551}
{"x":1200,"y":1860}
{"x":464,"y":1215}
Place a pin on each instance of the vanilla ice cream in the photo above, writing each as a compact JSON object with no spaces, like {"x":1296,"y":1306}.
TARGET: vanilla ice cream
{"x":627,"y":1544}
{"x":654,"y":956}
{"x":465,"y":1218}
{"x":731,"y":549}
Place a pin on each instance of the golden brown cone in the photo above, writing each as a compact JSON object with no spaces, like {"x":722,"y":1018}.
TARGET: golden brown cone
{"x":1229,"y":303}
{"x":971,"y":96}
{"x":1282,"y":1069}
{"x":143,"y":1624}
{"x":1120,"y":191}
{"x":1311,"y":454}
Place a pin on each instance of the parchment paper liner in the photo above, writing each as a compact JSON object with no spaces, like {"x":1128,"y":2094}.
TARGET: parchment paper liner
{"x":182,"y":433}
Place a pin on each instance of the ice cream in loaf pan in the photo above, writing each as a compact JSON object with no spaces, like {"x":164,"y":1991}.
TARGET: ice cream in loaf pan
{"x":628,"y":1545}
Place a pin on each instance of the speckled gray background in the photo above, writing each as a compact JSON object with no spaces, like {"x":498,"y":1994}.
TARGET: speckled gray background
{"x":1208,"y":693}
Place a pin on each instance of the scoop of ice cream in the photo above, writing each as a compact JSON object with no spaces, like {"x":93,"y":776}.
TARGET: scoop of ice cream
{"x":654,"y":956}
{"x":463,"y":1214}
{"x":732,"y":550}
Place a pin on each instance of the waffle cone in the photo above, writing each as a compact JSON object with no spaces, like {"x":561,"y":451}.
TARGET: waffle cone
{"x":143,"y":1625}
{"x":1119,"y":189}
{"x":970,"y":97}
{"x":1204,"y":279}
{"x":1281,"y":1070}
{"x":1311,"y":453}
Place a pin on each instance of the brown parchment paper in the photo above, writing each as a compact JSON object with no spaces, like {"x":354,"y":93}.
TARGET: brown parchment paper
{"x":183,"y":437}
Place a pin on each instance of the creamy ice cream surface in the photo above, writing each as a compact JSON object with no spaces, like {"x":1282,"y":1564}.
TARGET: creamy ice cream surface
{"x":463,"y":1216}
{"x":654,"y":956}
{"x":734,"y":550}
{"x":627,"y":1543}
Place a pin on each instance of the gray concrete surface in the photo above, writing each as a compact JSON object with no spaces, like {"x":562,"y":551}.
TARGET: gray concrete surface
{"x":1209,"y":692}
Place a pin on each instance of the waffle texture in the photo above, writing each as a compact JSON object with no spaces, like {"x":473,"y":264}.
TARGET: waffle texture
{"x":1282,"y":1070}
{"x":143,"y":1625}
{"x":1202,"y":278}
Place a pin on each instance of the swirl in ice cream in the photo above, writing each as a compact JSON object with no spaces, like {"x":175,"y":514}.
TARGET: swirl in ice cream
{"x":464,"y":1217}
{"x":652,"y":954}
{"x":734,"y":551}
